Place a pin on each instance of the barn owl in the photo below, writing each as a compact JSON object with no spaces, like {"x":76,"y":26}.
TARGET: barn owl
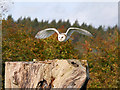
{"x":61,"y":36}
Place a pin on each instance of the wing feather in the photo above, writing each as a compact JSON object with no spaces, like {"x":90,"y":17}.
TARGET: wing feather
{"x":79,"y":30}
{"x":46,"y":33}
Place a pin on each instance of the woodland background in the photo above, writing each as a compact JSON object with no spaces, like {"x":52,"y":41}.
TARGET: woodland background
{"x":101,"y":51}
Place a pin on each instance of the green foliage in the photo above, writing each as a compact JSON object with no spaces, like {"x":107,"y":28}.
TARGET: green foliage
{"x":101,"y":51}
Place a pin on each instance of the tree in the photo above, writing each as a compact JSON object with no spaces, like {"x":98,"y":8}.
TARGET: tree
{"x":66,"y":24}
{"x":23,"y":21}
{"x":100,"y":28}
{"x":76,"y":24}
{"x":28,"y":19}
{"x":59,"y":24}
{"x":9,"y":18}
{"x":84,"y":25}
{"x":35,"y":23}
{"x":19,"y":20}
{"x":53,"y":24}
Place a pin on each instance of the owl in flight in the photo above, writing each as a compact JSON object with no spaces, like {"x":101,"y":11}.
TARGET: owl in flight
{"x":61,"y":36}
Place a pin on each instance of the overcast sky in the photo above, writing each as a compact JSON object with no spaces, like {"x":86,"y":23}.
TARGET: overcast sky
{"x":94,"y":13}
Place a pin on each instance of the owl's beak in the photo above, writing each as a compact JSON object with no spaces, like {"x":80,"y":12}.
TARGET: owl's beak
{"x":60,"y":40}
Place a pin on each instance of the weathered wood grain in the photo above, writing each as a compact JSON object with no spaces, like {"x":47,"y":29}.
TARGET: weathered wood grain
{"x":70,"y":73}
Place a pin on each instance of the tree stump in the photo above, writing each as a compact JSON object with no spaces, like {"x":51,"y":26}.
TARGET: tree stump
{"x":70,"y":73}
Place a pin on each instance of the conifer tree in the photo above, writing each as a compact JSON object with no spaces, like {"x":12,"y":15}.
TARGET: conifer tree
{"x":76,"y":24}
{"x":35,"y":23}
{"x":53,"y":24}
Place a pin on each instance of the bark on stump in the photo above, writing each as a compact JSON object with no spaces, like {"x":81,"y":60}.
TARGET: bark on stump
{"x":70,"y":73}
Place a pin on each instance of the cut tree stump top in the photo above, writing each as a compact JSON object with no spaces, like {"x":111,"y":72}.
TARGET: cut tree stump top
{"x":70,"y":73}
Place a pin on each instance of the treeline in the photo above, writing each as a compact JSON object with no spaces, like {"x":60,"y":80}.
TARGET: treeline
{"x":39,"y":25}
{"x":33,"y":26}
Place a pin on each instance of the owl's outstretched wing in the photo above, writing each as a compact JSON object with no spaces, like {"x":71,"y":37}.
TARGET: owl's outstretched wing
{"x":79,"y":30}
{"x":46,"y":33}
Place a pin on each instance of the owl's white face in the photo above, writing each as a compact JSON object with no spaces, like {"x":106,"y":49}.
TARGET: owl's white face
{"x":61,"y":37}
